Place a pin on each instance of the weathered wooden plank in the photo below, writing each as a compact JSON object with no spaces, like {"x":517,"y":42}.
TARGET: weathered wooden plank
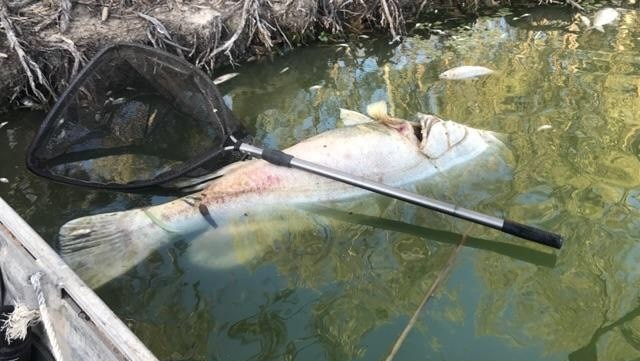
{"x":87,"y":329}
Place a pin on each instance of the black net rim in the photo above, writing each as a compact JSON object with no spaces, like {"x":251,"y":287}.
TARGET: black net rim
{"x":87,"y":71}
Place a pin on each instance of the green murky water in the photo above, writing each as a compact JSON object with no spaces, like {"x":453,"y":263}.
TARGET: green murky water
{"x":346,"y":285}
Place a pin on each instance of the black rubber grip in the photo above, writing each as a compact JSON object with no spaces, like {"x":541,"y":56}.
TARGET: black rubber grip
{"x":532,"y":234}
{"x":277,"y":157}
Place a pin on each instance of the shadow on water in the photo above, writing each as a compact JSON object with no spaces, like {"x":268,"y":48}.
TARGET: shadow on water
{"x":522,"y":253}
{"x":589,"y":352}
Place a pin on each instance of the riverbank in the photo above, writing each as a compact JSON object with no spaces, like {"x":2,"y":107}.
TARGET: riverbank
{"x":45,"y":43}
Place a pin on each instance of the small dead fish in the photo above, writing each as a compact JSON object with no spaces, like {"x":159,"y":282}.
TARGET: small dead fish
{"x":4,"y":180}
{"x":315,"y":87}
{"x":465,"y":72}
{"x":3,"y":55}
{"x":522,"y":16}
{"x":222,"y":78}
{"x":2,"y":125}
{"x":105,"y":14}
{"x":544,"y":127}
{"x":363,"y":36}
{"x":284,"y":70}
{"x":603,"y":17}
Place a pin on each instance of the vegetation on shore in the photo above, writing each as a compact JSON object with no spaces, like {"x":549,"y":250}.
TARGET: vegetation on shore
{"x":44,"y":43}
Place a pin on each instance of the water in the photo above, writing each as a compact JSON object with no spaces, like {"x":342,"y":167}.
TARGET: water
{"x":346,"y":285}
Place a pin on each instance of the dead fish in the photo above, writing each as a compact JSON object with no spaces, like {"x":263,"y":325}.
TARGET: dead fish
{"x":465,"y":72}
{"x":104,"y":15}
{"x":3,"y":55}
{"x":522,"y":16}
{"x":315,"y":87}
{"x":4,"y":180}
{"x":3,"y":124}
{"x":222,"y":78}
{"x":284,"y":70}
{"x":604,"y":17}
{"x":393,"y":151}
{"x":544,"y":127}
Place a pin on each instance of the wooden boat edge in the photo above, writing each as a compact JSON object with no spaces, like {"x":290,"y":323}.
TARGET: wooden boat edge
{"x":86,"y":326}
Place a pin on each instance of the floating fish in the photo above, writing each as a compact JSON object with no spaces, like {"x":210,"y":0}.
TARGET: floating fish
{"x":222,"y":78}
{"x":315,"y":87}
{"x":284,"y":70}
{"x":604,"y":17}
{"x":544,"y":127}
{"x":4,"y":180}
{"x":465,"y":72}
{"x":3,"y":124}
{"x":393,"y":151}
{"x":3,"y":55}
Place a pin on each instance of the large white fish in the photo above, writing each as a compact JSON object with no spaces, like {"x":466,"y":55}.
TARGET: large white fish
{"x":603,"y":17}
{"x":392,"y":151}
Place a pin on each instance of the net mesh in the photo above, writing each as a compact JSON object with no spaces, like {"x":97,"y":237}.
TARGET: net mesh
{"x":135,"y":117}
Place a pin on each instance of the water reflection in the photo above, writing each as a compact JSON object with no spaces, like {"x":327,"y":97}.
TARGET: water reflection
{"x":344,"y":285}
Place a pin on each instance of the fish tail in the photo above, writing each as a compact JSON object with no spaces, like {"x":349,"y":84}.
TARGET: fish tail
{"x":101,"y":247}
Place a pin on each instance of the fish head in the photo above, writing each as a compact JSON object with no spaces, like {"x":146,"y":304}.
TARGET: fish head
{"x":447,"y":75}
{"x":445,"y":141}
{"x":438,"y":136}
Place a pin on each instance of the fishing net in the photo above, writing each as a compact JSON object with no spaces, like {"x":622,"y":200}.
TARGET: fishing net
{"x":135,"y":117}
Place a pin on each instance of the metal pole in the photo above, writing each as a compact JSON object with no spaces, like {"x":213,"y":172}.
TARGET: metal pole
{"x":520,"y":230}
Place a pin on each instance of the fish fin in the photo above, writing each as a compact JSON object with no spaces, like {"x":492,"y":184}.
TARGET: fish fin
{"x":101,"y":247}
{"x":350,"y":117}
{"x":378,"y":111}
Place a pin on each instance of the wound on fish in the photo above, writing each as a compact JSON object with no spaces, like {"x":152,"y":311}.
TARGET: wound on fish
{"x":204,"y":211}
